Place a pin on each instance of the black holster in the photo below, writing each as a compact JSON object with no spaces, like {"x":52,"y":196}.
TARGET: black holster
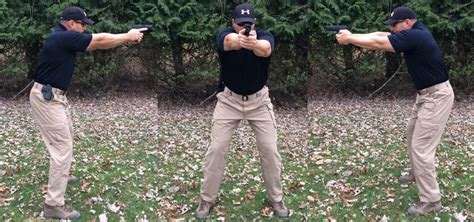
{"x":220,"y":86}
{"x":47,"y":92}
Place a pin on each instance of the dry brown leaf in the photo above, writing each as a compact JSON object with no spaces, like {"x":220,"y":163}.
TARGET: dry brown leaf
{"x":319,"y":162}
{"x":192,"y":184}
{"x":85,"y":185}
{"x":267,"y":211}
{"x":249,"y":196}
{"x":174,"y":207}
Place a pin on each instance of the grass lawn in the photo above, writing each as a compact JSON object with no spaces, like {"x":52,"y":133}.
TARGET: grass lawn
{"x":140,"y":160}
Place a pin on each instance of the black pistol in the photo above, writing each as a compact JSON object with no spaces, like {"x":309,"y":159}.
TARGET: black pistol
{"x":139,"y":26}
{"x":248,"y":28}
{"x":335,"y":28}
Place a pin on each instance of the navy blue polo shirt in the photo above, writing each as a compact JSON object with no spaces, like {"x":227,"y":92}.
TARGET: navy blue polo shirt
{"x":243,"y":72}
{"x":422,"y":54}
{"x":57,"y":58}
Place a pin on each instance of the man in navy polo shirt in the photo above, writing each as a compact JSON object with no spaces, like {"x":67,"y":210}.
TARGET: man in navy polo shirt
{"x":49,"y":103}
{"x":434,"y":99}
{"x":245,"y":57}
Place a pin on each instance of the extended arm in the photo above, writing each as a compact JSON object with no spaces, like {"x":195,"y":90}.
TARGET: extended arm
{"x":260,"y":47}
{"x":373,"y":41}
{"x":107,"y":40}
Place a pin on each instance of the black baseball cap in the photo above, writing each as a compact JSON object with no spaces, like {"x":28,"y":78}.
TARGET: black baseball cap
{"x":244,"y":13}
{"x":77,"y":14}
{"x":400,"y":14}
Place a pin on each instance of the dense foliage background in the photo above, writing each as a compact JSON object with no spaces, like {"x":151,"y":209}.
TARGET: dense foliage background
{"x":178,"y":58}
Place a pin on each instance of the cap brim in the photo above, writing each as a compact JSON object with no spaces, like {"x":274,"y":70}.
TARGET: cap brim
{"x":88,"y":21}
{"x":390,"y":22}
{"x":244,"y":19}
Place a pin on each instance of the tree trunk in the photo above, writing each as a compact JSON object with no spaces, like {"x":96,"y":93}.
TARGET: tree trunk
{"x":348,"y":62}
{"x":178,"y":65}
{"x":302,"y":44}
{"x":393,"y":61}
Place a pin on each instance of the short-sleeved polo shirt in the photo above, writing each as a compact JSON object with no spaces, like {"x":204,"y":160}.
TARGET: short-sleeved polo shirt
{"x":243,"y":72}
{"x":422,"y":55}
{"x":57,"y":58}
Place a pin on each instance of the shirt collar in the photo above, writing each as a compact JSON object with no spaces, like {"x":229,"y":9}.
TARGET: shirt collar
{"x":60,"y":27}
{"x":419,"y":25}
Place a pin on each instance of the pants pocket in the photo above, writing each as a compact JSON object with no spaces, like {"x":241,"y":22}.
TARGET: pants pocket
{"x":223,"y":95}
{"x":58,"y":134}
{"x":427,"y":130}
{"x":426,"y":110}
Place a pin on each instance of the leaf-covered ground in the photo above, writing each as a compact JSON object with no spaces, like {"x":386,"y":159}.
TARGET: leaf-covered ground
{"x":359,"y":151}
{"x":141,"y":160}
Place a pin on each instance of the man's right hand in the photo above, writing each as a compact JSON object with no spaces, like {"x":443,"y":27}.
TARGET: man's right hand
{"x":107,"y":40}
{"x":249,"y":42}
{"x":136,"y":35}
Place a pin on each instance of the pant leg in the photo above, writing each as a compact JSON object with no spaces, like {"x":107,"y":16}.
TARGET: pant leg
{"x":54,"y":127}
{"x":69,"y":118}
{"x":214,"y":160}
{"x":410,"y":128}
{"x":432,"y":117}
{"x":71,"y":128}
{"x":262,"y":121}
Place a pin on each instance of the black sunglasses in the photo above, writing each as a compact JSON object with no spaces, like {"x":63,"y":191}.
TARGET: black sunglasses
{"x":80,"y":22}
{"x":398,"y":21}
{"x":244,"y":23}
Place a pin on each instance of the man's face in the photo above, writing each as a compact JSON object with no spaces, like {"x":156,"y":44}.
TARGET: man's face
{"x":401,"y":25}
{"x":240,"y":26}
{"x":78,"y":26}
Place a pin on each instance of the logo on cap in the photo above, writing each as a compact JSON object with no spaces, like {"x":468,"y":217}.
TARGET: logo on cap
{"x":245,"y":11}
{"x":391,"y":14}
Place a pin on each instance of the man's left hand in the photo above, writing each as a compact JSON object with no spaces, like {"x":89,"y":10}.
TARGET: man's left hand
{"x":248,"y":42}
{"x":343,"y":37}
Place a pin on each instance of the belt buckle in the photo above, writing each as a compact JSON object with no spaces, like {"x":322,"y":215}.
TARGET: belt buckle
{"x":245,"y":98}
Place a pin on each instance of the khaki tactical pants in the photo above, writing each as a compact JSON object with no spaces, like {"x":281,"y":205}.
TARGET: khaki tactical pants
{"x":425,"y":127}
{"x":231,"y":108}
{"x":55,"y":125}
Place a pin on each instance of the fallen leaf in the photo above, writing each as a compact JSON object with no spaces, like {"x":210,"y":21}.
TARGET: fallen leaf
{"x":174,"y":189}
{"x":114,"y":208}
{"x":267,"y":211}
{"x":249,"y":197}
{"x":103,"y":218}
{"x":346,"y":173}
{"x":85,"y":186}
{"x":173,"y":207}
{"x":303,"y":205}
{"x":460,"y":217}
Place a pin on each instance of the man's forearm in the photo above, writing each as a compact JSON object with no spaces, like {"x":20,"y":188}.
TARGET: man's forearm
{"x":373,"y":41}
{"x":262,"y":48}
{"x":379,"y":34}
{"x":231,"y":42}
{"x":107,"y":40}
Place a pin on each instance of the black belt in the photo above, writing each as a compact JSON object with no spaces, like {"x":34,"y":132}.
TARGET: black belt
{"x":243,"y":97}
